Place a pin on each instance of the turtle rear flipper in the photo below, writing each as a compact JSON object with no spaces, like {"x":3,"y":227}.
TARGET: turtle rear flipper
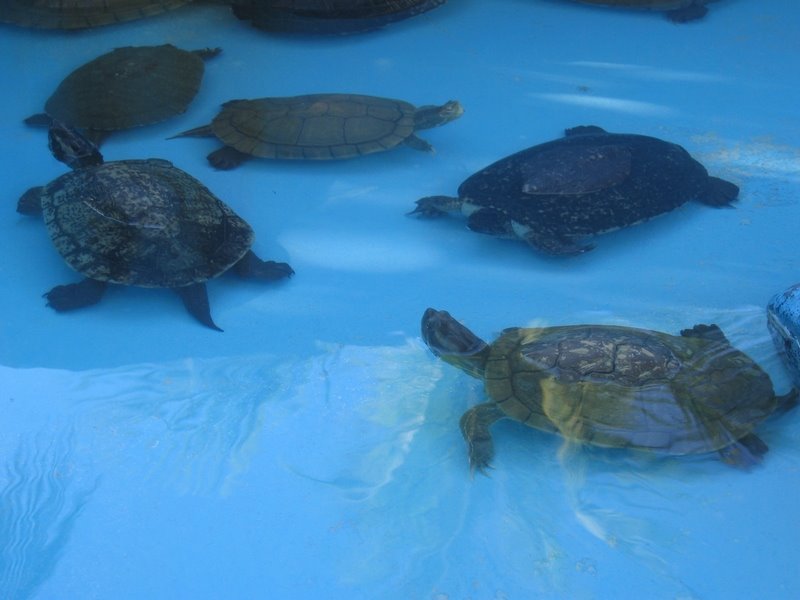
{"x":63,"y":298}
{"x":195,"y":299}
{"x":688,"y":13}
{"x":251,"y":266}
{"x":745,"y":453}
{"x":719,"y":193}
{"x":227,"y":158}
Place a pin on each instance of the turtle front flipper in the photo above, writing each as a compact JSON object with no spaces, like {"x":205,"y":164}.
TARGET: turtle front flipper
{"x":745,"y":453}
{"x":692,"y":12}
{"x":252,"y":267}
{"x":227,"y":158}
{"x":490,"y":222}
{"x":195,"y":299}
{"x":417,"y":143}
{"x":63,"y":298}
{"x":475,"y":424}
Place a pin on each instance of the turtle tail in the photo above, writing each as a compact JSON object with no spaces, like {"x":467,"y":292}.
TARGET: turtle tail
{"x":204,"y":131}
{"x":718,"y":193}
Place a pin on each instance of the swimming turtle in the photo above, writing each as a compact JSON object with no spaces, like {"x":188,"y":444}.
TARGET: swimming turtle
{"x":586,"y":183}
{"x":679,"y":11}
{"x":127,"y":87}
{"x":613,"y":386}
{"x":142,"y":223}
{"x":783,"y":322}
{"x":80,"y":14}
{"x":328,"y":16}
{"x":318,"y":127}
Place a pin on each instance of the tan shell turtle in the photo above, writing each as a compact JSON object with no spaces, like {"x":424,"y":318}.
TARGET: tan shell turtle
{"x":318,"y":127}
{"x":80,"y":14}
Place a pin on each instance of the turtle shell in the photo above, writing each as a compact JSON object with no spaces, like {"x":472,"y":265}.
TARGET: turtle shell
{"x":316,"y":126}
{"x":588,"y":182}
{"x":624,"y":387}
{"x":328,"y":16}
{"x":80,"y":14}
{"x":128,"y":87}
{"x":649,"y":4}
{"x":143,"y":223}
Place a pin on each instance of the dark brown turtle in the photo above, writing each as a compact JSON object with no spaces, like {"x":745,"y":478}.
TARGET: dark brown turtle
{"x":611,"y":386}
{"x":142,"y":223}
{"x":328,"y":16}
{"x":318,"y":127}
{"x":679,"y":11}
{"x":127,"y":87}
{"x":553,"y":195}
{"x":80,"y":14}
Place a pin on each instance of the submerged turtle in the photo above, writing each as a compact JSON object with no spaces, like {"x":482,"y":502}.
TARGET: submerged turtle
{"x":679,"y":11}
{"x":127,"y":87}
{"x":783,"y":321}
{"x":614,"y":387}
{"x":318,"y":127}
{"x":143,"y":223}
{"x":80,"y":14}
{"x":586,"y":183}
{"x":328,"y":16}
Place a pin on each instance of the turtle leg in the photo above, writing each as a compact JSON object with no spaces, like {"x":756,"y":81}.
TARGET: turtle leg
{"x":490,"y":222}
{"x":744,"y":453}
{"x":475,"y":425}
{"x":417,"y":143}
{"x":195,"y":299}
{"x":252,"y":267}
{"x":227,"y":158}
{"x":688,"y":13}
{"x":64,"y":298}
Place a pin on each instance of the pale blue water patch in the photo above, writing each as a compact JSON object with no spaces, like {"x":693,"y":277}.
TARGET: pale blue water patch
{"x":312,"y":450}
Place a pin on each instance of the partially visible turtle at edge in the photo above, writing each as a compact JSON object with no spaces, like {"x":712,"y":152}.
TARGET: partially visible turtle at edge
{"x":127,"y":87}
{"x":678,"y":11}
{"x":615,"y":387}
{"x":141,"y":223}
{"x":318,"y":127}
{"x":328,"y":16}
{"x":586,"y":183}
{"x":80,"y":14}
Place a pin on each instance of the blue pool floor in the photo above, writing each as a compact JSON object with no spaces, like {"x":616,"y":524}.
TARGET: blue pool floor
{"x":312,"y":450}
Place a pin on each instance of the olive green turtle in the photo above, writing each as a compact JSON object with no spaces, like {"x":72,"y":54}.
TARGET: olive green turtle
{"x":613,"y":386}
{"x":127,"y":87}
{"x":80,"y":14}
{"x":679,"y":11}
{"x":142,"y":223}
{"x":318,"y":127}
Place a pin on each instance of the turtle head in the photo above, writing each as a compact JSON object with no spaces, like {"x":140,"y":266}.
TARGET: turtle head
{"x":71,"y":147}
{"x":426,"y":117}
{"x":31,"y":202}
{"x":452,"y":342}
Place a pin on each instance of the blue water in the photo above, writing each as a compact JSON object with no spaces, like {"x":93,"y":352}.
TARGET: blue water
{"x":312,"y":449}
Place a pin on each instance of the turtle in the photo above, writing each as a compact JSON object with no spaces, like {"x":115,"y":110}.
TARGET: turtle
{"x":783,"y":322}
{"x":318,"y":127}
{"x":678,"y":11}
{"x":80,"y":14}
{"x":588,"y":182}
{"x":127,"y":87}
{"x":328,"y":16}
{"x":141,"y":223}
{"x":613,"y":386}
